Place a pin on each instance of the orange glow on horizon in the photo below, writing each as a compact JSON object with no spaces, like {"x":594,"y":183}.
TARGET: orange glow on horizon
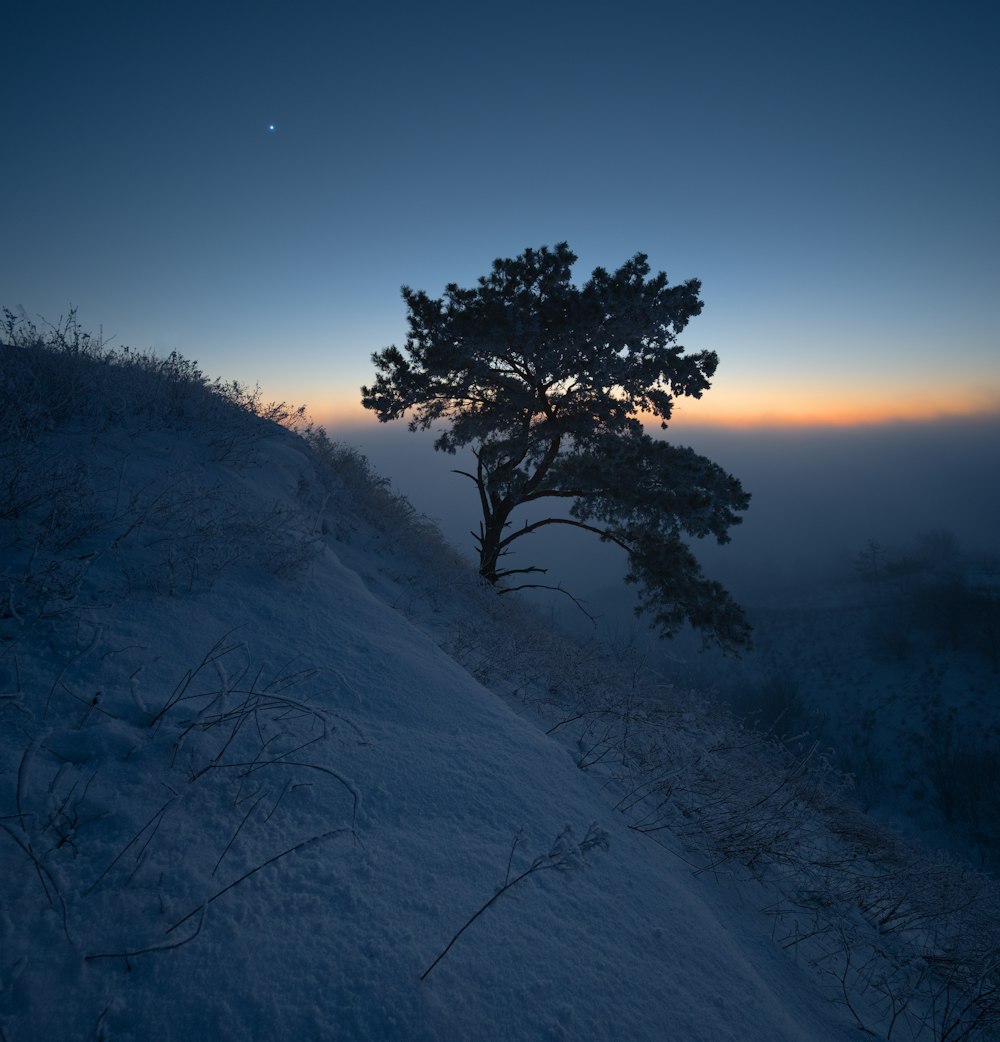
{"x":735,"y":410}
{"x":858,"y":415}
{"x":835,"y":406}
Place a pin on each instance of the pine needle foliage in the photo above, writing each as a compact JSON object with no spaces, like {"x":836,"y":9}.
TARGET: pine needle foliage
{"x":547,"y":384}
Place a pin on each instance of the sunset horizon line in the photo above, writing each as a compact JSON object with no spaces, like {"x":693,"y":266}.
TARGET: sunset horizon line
{"x":861,"y":417}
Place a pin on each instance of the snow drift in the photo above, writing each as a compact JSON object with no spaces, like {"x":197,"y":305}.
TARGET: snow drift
{"x":273,"y":764}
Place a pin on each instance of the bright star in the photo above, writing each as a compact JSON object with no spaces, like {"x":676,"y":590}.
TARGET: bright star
{"x":270,"y":128}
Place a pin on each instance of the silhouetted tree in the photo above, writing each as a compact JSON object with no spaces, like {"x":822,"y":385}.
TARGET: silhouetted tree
{"x":546,"y":383}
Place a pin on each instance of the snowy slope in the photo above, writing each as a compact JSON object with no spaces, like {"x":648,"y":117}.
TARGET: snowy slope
{"x":246,"y":793}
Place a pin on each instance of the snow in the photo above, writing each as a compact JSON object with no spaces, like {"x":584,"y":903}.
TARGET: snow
{"x":252,"y":784}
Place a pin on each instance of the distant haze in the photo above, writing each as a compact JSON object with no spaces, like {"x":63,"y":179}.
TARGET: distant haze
{"x":819,"y":495}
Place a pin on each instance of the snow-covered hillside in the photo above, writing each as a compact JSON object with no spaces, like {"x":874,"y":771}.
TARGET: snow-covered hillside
{"x":274,"y":765}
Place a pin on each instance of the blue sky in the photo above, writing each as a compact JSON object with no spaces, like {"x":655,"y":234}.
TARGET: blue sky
{"x":829,"y":172}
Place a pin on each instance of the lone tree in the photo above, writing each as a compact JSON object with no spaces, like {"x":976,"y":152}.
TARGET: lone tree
{"x":546,"y":383}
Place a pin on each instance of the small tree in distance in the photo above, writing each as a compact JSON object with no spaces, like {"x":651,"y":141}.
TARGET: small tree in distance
{"x":546,"y":383}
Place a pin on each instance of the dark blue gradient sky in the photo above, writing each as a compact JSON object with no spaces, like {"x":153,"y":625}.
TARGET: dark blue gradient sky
{"x":828,"y":171}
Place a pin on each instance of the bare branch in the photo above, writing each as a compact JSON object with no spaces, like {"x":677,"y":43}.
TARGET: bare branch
{"x":534,"y":526}
{"x":543,"y":586}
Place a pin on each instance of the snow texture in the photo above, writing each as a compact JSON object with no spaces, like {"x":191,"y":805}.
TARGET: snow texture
{"x":252,"y":782}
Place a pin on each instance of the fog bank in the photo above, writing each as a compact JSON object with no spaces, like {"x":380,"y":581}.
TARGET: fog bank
{"x":819,"y":495}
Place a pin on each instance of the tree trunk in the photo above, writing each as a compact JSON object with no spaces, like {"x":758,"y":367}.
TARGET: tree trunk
{"x":491,"y":532}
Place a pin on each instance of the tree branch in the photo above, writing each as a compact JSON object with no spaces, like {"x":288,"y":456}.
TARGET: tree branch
{"x":484,"y":503}
{"x":528,"y":529}
{"x":556,"y":589}
{"x":519,"y":571}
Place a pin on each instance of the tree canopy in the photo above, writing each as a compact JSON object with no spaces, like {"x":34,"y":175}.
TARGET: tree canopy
{"x":547,"y":384}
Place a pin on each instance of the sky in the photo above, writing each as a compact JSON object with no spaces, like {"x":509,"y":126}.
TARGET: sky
{"x":251,"y":184}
